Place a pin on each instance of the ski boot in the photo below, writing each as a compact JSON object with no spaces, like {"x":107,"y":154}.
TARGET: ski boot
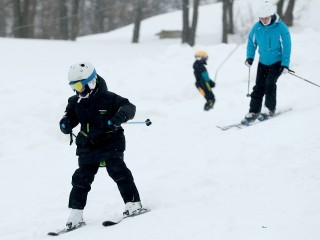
{"x":265,"y":116}
{"x":249,"y":118}
{"x":209,"y":104}
{"x":133,"y":208}
{"x":75,"y":219}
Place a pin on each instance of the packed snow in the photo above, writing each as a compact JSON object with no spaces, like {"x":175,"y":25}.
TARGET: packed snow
{"x":201,"y":183}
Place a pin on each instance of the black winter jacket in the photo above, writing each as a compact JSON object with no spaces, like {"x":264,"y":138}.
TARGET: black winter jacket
{"x":199,"y":69}
{"x":96,"y":139}
{"x":201,"y":74}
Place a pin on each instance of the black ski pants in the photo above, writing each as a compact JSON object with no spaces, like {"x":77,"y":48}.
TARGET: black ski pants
{"x":205,"y":90}
{"x":84,"y":176}
{"x":266,"y":80}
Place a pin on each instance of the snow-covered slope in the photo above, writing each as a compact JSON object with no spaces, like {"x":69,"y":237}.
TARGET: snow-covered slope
{"x":261,"y":182}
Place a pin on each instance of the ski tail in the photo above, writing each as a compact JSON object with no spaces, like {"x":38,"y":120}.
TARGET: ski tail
{"x":66,"y":230}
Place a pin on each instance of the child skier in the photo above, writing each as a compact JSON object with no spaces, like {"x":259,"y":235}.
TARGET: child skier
{"x":203,"y":81}
{"x":100,"y":142}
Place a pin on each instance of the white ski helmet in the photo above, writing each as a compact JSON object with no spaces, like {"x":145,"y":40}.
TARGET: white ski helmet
{"x":266,"y":9}
{"x":82,"y":74}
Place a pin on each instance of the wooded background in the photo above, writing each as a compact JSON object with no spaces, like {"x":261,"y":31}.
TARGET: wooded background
{"x":69,"y":19}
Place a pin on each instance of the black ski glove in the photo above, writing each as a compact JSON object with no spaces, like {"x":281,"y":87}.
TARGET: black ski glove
{"x":284,"y":69}
{"x":212,"y":83}
{"x":65,"y":126}
{"x":112,"y":126}
{"x":248,"y":62}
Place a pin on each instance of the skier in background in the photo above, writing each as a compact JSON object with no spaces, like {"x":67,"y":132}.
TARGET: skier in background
{"x":203,"y":82}
{"x":272,"y":37}
{"x":100,"y":142}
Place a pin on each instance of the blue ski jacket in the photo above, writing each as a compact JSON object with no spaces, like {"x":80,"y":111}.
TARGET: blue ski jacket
{"x":273,"y":41}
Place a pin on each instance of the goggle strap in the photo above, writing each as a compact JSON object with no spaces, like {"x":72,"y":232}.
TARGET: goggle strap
{"x":86,"y":81}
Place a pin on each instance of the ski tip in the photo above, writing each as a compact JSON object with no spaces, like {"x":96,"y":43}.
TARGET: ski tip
{"x":109,"y":223}
{"x":53,"y":234}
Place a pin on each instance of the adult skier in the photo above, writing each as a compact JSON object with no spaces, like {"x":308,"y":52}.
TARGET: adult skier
{"x":203,"y":82}
{"x":272,"y":37}
{"x":100,"y":142}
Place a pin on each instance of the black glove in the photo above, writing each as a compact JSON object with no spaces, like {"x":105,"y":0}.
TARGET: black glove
{"x":65,"y":126}
{"x":212,"y":83}
{"x":283,"y":70}
{"x":248,"y":62}
{"x":112,"y":126}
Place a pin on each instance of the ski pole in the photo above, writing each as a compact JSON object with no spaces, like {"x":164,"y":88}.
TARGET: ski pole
{"x":224,"y":61}
{"x":248,"y":94}
{"x":293,"y":74}
{"x":146,"y":122}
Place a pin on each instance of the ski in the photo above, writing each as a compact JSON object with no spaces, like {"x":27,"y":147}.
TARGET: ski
{"x":112,"y":223}
{"x":227,"y":127}
{"x":65,"y":230}
{"x":262,"y":117}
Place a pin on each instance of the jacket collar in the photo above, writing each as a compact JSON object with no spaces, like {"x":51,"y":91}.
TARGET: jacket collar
{"x":275,"y":19}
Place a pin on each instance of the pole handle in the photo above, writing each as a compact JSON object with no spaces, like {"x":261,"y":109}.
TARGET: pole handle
{"x":146,"y":122}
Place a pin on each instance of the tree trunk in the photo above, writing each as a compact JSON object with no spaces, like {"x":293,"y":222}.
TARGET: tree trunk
{"x":185,"y":21}
{"x":74,"y":20}
{"x":99,"y":17}
{"x":24,"y":12}
{"x":17,"y":21}
{"x":137,"y":21}
{"x":288,"y":16}
{"x":192,"y":35}
{"x":111,"y":15}
{"x":2,"y":20}
{"x":31,"y":18}
{"x":280,"y":8}
{"x":63,"y":14}
{"x":230,"y":17}
{"x":224,"y":21}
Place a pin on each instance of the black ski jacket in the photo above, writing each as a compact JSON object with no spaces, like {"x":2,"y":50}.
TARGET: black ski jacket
{"x":200,"y":71}
{"x":201,"y":75}
{"x":96,"y":140}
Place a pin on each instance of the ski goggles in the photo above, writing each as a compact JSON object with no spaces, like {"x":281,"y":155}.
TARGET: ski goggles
{"x":80,"y":84}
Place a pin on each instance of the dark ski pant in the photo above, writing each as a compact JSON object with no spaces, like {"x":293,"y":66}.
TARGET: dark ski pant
{"x":84,"y":176}
{"x":205,"y":90}
{"x":266,"y":80}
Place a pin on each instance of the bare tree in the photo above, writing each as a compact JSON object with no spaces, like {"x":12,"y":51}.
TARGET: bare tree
{"x":17,"y":19}
{"x":2,"y":19}
{"x":99,"y":16}
{"x":74,"y":20}
{"x":185,"y":21}
{"x":71,"y":18}
{"x":227,"y":19}
{"x":192,"y":33}
{"x":31,"y":18}
{"x":22,"y":18}
{"x":230,"y":17}
{"x":111,"y":15}
{"x":280,"y":8}
{"x":287,"y":17}
{"x":137,"y":21}
{"x":224,"y":22}
{"x":63,"y":12}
